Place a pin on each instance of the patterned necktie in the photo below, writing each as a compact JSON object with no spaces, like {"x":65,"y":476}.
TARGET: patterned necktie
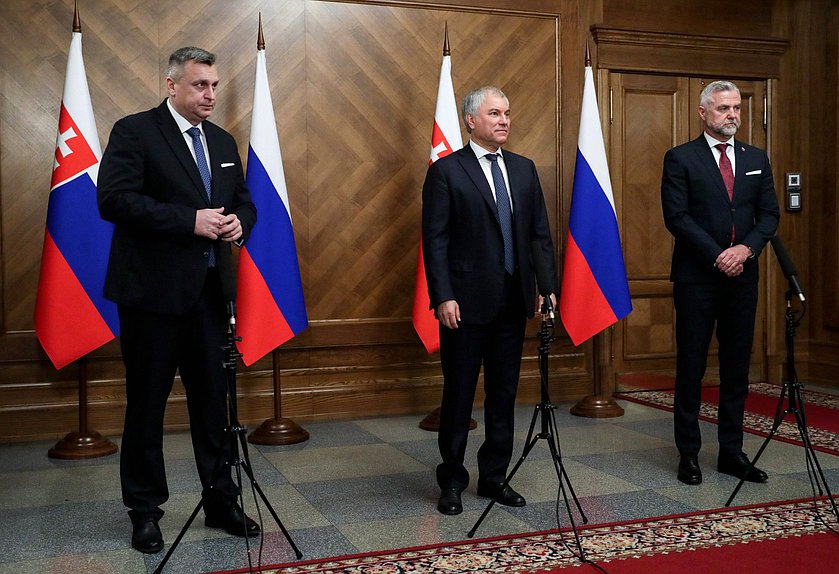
{"x":204,"y":170}
{"x":725,"y":170}
{"x":505,"y":212}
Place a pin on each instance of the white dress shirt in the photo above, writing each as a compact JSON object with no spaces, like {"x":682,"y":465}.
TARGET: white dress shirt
{"x":486,"y":166}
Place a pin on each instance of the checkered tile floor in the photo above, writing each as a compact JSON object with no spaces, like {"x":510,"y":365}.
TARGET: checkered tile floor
{"x":365,"y":485}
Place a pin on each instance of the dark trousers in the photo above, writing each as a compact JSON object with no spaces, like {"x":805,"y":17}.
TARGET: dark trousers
{"x":498,"y":346}
{"x":730,"y":307}
{"x":155,"y":346}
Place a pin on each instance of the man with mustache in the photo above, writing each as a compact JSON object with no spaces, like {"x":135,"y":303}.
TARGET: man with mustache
{"x":718,"y":199}
{"x":482,"y":211}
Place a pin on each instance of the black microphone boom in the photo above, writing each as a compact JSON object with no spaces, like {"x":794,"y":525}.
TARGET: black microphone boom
{"x":788,"y":267}
{"x":543,"y":281}
{"x":225,"y":273}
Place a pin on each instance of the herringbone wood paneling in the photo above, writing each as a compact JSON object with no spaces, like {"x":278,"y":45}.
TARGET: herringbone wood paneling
{"x":372,"y":84}
{"x":354,"y":87}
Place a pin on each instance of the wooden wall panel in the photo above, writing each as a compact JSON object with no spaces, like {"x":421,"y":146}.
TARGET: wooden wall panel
{"x":353,"y":84}
{"x":354,"y":87}
{"x":805,"y":140}
{"x":650,"y":115}
{"x":710,"y":18}
{"x":369,"y":127}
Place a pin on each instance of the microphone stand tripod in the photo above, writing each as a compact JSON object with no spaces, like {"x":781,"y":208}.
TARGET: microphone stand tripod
{"x":545,"y":412}
{"x":238,"y":437}
{"x":791,"y":389}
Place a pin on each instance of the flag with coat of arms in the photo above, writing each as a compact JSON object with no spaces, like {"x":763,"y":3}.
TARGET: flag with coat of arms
{"x":72,"y":316}
{"x":445,"y":138}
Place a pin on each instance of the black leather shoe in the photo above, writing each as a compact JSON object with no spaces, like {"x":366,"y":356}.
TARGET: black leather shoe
{"x":501,"y":494}
{"x":231,"y":519}
{"x":450,"y":502}
{"x":738,"y":465}
{"x":689,"y":471}
{"x":146,"y":536}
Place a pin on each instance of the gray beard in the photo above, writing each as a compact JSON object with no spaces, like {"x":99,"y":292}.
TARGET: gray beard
{"x":727,"y":130}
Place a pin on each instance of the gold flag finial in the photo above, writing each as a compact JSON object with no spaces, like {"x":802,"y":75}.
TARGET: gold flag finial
{"x":588,"y":55}
{"x":446,"y":51}
{"x":260,"y":39}
{"x":77,"y":22}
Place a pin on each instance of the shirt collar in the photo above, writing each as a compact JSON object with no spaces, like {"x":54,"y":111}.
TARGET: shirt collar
{"x":481,"y":152}
{"x":183,"y":123}
{"x":714,"y":142}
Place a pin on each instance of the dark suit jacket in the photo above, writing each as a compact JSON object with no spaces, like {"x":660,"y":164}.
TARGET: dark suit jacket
{"x":150,"y":188}
{"x":698,"y":213}
{"x":462,"y":244}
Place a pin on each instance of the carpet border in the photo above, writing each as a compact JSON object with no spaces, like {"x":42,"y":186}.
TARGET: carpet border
{"x":511,"y":537}
{"x":627,"y":396}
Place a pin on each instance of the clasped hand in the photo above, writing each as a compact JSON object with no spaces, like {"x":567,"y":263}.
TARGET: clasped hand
{"x":731,"y":260}
{"x":214,"y":224}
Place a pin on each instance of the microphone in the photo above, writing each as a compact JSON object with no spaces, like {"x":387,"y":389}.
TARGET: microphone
{"x":788,"y":267}
{"x":543,"y":280}
{"x":231,"y":312}
{"x":228,"y":285}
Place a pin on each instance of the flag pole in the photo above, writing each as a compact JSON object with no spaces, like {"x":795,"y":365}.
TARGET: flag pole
{"x":85,"y":443}
{"x":278,"y":430}
{"x":600,"y":404}
{"x":431,"y":422}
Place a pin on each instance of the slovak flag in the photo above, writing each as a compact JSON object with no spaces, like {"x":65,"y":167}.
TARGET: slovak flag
{"x":595,"y":291}
{"x":445,"y":138}
{"x":271,"y":309}
{"x":72,"y":316}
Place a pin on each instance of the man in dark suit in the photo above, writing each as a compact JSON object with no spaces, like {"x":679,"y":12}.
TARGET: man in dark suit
{"x":173,"y":185}
{"x":477,"y":241}
{"x":719,"y":203}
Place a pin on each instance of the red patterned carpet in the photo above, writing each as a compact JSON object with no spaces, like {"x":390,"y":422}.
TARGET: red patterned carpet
{"x":822,"y":411}
{"x":779,"y":538}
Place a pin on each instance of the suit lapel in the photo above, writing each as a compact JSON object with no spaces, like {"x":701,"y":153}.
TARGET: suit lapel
{"x":706,"y":158}
{"x":176,"y":141}
{"x":212,"y":150}
{"x":515,"y":177}
{"x":739,"y":164}
{"x":470,"y":165}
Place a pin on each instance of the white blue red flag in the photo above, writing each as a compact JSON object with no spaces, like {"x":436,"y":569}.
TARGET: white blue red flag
{"x":445,"y":138}
{"x":72,"y":316}
{"x":595,"y":291}
{"x":270,"y":304}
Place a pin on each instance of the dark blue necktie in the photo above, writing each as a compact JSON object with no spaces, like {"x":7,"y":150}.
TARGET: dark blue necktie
{"x":505,"y":213}
{"x":204,"y":170}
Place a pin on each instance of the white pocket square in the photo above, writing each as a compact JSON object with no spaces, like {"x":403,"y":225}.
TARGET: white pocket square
{"x":231,"y":164}
{"x":755,"y":172}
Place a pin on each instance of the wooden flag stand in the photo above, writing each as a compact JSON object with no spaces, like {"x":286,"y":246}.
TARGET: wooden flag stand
{"x":85,"y":443}
{"x":278,"y":431}
{"x":600,"y":404}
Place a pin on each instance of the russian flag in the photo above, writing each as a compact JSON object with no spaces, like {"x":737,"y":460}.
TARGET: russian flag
{"x":445,"y":138}
{"x":271,"y":309}
{"x":595,"y":291}
{"x":72,"y":316}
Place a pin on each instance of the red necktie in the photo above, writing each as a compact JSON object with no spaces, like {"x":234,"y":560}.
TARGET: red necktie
{"x":727,"y":177}
{"x":726,"y":171}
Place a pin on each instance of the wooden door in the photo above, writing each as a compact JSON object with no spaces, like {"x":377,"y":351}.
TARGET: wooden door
{"x":649,"y":115}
